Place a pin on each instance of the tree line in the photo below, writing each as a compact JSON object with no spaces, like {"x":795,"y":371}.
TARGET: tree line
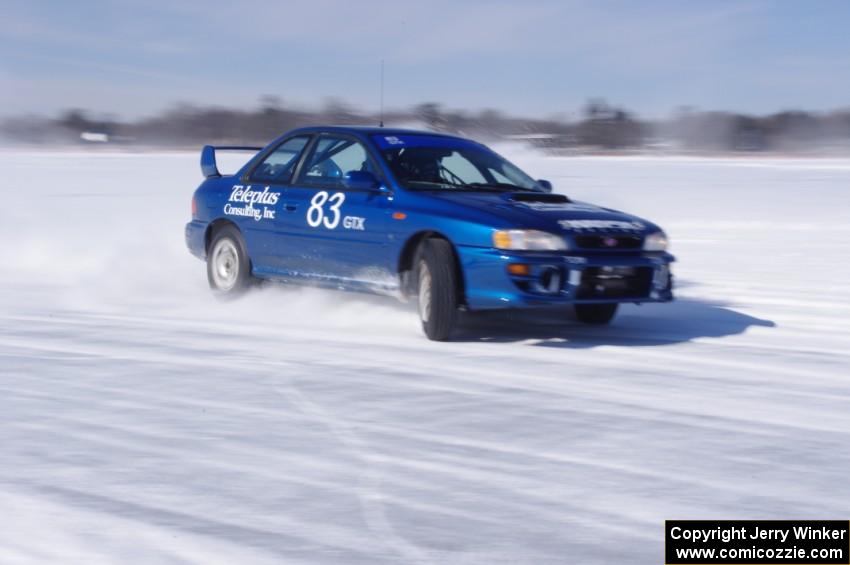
{"x":598,"y":126}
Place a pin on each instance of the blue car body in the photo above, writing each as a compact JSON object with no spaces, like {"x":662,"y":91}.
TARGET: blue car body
{"x":366,"y":237}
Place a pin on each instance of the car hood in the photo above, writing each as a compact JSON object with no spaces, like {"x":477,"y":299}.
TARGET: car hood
{"x":548,"y":212}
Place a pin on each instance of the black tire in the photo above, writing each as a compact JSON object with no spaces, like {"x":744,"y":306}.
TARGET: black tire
{"x":437,"y":284}
{"x":595,"y":313}
{"x":228,"y":266}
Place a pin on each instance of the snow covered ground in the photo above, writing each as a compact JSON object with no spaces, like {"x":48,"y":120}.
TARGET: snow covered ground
{"x":142,"y":421}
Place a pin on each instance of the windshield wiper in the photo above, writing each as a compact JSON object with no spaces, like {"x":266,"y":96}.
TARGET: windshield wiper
{"x":470,"y":186}
{"x":428,"y":183}
{"x":495,"y":186}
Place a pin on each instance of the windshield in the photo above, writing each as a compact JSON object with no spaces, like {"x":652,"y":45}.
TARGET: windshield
{"x":430,"y":162}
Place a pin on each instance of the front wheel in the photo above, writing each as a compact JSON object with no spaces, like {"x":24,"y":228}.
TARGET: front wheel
{"x":228,"y":267}
{"x":437,"y":289}
{"x":595,"y":313}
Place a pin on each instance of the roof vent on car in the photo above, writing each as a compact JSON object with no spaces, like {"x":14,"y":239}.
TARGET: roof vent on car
{"x":538,"y":197}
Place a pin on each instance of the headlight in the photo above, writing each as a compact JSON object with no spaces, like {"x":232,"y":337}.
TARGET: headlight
{"x":528,"y":240}
{"x":655,"y":242}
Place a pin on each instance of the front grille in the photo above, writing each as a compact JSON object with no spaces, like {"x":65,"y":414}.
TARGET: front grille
{"x":615,"y":282}
{"x":614,"y":242}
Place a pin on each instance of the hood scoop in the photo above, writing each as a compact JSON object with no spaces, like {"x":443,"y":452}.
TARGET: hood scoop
{"x":542,"y":197}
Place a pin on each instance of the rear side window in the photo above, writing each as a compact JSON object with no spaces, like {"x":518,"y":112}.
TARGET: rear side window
{"x":331,"y":158}
{"x":278,"y":167}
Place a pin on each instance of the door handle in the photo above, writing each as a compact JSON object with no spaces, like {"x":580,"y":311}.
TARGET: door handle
{"x":290,"y":206}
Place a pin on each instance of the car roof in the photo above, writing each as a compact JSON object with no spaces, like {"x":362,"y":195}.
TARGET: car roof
{"x":370,"y":130}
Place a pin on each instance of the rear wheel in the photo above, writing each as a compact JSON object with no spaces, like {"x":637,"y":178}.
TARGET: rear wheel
{"x":228,"y":267}
{"x":437,"y":295}
{"x":595,"y":313}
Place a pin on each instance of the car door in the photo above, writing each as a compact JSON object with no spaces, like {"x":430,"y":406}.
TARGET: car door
{"x":263,"y":191}
{"x":336,"y":233}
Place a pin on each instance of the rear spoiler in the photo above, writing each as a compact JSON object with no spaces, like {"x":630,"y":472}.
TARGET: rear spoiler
{"x":208,"y":165}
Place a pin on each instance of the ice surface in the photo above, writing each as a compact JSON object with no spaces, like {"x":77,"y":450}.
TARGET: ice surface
{"x":142,"y":421}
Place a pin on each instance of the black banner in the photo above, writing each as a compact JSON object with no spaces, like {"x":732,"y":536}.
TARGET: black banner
{"x":757,"y":542}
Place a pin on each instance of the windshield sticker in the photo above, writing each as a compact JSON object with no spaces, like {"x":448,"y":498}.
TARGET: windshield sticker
{"x":251,"y":203}
{"x":437,"y":141}
{"x":600,"y":225}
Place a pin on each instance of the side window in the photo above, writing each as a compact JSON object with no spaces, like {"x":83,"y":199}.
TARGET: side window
{"x":331,"y":158}
{"x":279,"y":166}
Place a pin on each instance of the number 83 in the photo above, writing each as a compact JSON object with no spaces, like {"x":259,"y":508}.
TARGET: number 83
{"x":316,"y":211}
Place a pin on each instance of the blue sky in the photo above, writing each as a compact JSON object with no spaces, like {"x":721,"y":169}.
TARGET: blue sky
{"x":135,"y":58}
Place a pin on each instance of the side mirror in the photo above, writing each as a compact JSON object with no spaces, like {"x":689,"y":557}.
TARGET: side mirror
{"x":545,"y":185}
{"x":360,"y":180}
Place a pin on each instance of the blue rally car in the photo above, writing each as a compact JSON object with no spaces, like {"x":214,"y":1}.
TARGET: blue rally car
{"x":434,"y":217}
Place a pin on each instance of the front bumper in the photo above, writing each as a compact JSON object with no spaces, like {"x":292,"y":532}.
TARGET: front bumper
{"x":567,"y":278}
